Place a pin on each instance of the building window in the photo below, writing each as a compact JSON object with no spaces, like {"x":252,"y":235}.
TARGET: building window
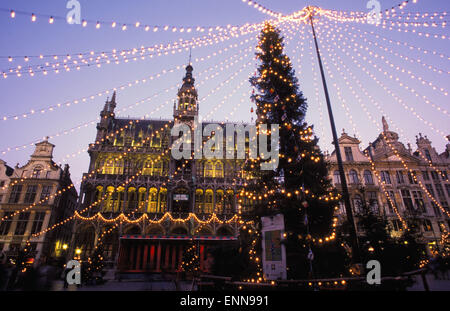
{"x":336,"y":177}
{"x":430,"y":189}
{"x":219,"y":201}
{"x":209,"y":169}
{"x":162,"y":200}
{"x":348,"y":154}
{"x":368,"y":179}
{"x":30,"y":195}
{"x":208,"y":201}
{"x":400,"y":179}
{"x":439,"y":190}
{"x":36,"y":172}
{"x":427,"y":226}
{"x":397,"y":225}
{"x":447,"y":187}
{"x":22,"y":223}
{"x":407,"y":200}
{"x":385,"y":177}
{"x":45,"y":192}
{"x":390,"y":201}
{"x":434,"y":175}
{"x":218,"y":171}
{"x":15,"y":194}
{"x":444,"y":175}
{"x":353,"y":177}
{"x":425,"y":175}
{"x":199,"y":200}
{"x":412,"y":177}
{"x":48,"y":175}
{"x":37,"y":222}
{"x":6,"y":224}
{"x":427,"y":154}
{"x":436,"y":209}
{"x":357,"y":203}
{"x":153,"y":200}
{"x":418,"y":200}
{"x":373,"y":200}
{"x":2,"y":183}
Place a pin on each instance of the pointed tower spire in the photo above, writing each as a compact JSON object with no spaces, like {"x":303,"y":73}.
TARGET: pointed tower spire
{"x":385,"y":124}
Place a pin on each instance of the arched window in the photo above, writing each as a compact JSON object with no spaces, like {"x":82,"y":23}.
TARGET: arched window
{"x":132,"y":199}
{"x":118,"y":200}
{"x":113,"y":166}
{"x":162,"y":200}
{"x":229,"y":202}
{"x":36,"y":172}
{"x":208,"y":201}
{"x":108,"y":206}
{"x":141,"y":198}
{"x":199,"y":200}
{"x":336,"y":177}
{"x":147,"y":169}
{"x":353,"y":177}
{"x":152,"y":200}
{"x":219,"y":201}
{"x":209,"y":169}
{"x":98,"y":193}
{"x":368,"y":179}
{"x":357,"y":203}
{"x":218,"y":170}
{"x":157,"y":168}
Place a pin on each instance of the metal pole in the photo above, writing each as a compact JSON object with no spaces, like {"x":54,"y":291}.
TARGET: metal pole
{"x":346,"y":197}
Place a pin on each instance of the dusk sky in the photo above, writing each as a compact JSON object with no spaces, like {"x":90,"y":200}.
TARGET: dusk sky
{"x":20,"y":37}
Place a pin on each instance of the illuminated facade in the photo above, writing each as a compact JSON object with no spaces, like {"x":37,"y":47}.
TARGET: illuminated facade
{"x":407,"y":196}
{"x":147,"y":180}
{"x":30,"y":190}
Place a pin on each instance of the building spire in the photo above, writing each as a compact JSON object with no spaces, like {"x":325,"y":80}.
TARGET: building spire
{"x":385,"y":124}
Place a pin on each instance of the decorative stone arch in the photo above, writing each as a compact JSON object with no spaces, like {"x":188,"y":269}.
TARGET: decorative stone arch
{"x":155,"y":229}
{"x":179,"y":229}
{"x":204,"y":230}
{"x":132,"y":229}
{"x":224,"y":230}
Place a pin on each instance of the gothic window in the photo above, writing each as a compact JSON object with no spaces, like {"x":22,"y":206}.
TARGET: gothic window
{"x":219,"y":201}
{"x":36,"y":172}
{"x":157,"y":168}
{"x":199,"y":200}
{"x":113,"y":166}
{"x":107,"y":207}
{"x":208,"y":201}
{"x":118,"y":202}
{"x":412,"y":177}
{"x":425,"y":175}
{"x":132,"y":199}
{"x":156,"y":141}
{"x":153,"y":200}
{"x":98,"y":192}
{"x":229,"y":201}
{"x":390,"y":201}
{"x":6,"y":224}
{"x":162,"y":200}
{"x":368,"y":179}
{"x":218,"y":170}
{"x":353,"y":177}
{"x":434,"y":176}
{"x":147,"y":169}
{"x":209,"y":169}
{"x":373,"y":200}
{"x":141,"y":198}
{"x":439,"y":190}
{"x":427,"y":226}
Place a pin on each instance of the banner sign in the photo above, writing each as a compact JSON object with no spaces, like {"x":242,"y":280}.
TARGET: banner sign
{"x":274,"y":253}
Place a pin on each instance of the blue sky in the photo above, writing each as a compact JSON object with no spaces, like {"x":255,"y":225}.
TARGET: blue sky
{"x":20,"y":37}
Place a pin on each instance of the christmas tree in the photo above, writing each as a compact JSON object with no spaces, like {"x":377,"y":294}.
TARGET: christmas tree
{"x":298,"y":187}
{"x":190,"y":262}
{"x":94,"y":267}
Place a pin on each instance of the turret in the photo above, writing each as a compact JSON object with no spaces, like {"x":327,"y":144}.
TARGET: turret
{"x":106,"y":116}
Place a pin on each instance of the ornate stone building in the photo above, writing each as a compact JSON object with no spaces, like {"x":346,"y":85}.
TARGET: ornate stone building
{"x":177,"y":197}
{"x":31,"y":184}
{"x":407,"y":195}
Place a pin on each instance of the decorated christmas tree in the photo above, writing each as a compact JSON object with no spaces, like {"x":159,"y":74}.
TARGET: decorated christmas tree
{"x":298,"y":187}
{"x":190,"y":262}
{"x":95,"y":265}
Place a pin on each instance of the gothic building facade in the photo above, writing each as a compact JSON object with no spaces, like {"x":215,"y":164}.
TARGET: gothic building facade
{"x":29,"y":205}
{"x":166,"y":201}
{"x":395,"y":192}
